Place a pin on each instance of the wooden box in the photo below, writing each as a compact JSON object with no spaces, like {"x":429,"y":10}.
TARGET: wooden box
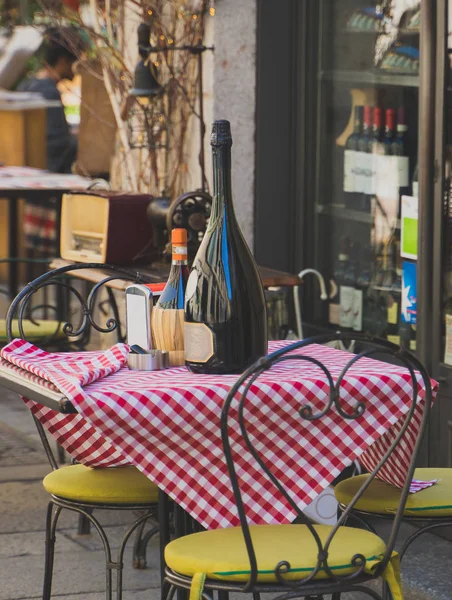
{"x":106,"y":227}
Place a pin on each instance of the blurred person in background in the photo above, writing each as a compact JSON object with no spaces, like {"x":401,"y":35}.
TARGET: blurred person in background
{"x":59,"y":48}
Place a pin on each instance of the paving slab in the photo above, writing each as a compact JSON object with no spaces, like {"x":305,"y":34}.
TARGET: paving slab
{"x":29,"y":543}
{"x":75,"y":572}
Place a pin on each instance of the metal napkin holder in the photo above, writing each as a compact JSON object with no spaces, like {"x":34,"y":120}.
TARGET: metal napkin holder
{"x":153,"y":360}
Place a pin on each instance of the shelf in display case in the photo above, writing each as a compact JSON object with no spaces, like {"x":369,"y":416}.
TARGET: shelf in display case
{"x":376,"y":32}
{"x":371,"y":77}
{"x":341,"y":212}
{"x":386,"y":288}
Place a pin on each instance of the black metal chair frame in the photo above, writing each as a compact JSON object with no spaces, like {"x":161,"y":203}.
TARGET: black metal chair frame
{"x":18,"y":309}
{"x":334,"y":585}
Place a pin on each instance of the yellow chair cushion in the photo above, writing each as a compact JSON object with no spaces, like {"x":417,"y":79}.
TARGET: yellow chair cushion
{"x":115,"y":485}
{"x":381,"y":498}
{"x":34,"y":331}
{"x":221,"y":553}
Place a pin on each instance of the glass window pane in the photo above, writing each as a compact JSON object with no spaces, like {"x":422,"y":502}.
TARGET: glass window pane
{"x":367,"y":130}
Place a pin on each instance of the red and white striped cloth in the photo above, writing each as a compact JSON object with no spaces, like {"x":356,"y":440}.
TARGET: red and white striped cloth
{"x":167,"y":424}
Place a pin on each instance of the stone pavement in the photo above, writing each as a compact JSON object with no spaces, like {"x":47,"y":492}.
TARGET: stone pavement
{"x":79,"y":571}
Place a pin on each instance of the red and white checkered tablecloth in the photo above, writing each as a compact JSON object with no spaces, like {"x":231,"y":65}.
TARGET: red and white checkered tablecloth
{"x":167,"y":424}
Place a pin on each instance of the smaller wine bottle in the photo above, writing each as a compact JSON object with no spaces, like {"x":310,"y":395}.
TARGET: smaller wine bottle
{"x":398,"y":149}
{"x":350,"y":153}
{"x":363,"y":158}
{"x":168,"y":314}
{"x":347,"y":289}
{"x":388,"y":142}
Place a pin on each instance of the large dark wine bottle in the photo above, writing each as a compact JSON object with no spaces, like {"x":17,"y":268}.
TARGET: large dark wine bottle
{"x":225,"y":311}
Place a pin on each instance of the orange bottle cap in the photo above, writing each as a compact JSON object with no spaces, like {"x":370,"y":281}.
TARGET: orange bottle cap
{"x":179,"y":244}
{"x":179,"y":236}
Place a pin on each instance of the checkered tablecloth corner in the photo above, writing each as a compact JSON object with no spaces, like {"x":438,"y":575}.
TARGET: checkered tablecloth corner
{"x":167,"y":424}
{"x":73,"y":432}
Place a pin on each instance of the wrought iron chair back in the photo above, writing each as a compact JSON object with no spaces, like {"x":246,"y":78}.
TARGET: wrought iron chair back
{"x":77,"y":336}
{"x":237,"y":404}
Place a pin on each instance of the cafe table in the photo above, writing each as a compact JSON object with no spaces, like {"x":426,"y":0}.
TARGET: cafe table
{"x":38,"y":186}
{"x":167,"y":423}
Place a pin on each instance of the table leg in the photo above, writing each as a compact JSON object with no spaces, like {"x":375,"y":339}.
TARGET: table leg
{"x":164,"y":526}
{"x":12,"y":246}
{"x":180,"y":529}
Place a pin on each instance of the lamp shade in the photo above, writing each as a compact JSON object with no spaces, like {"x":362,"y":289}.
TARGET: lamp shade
{"x":145,"y":84}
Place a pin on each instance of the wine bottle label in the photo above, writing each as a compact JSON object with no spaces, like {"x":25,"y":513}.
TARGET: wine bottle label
{"x":349,"y":170}
{"x":334,"y":313}
{"x":394,"y":339}
{"x":387,"y":176}
{"x":199,"y":344}
{"x":358,"y":310}
{"x":403,"y":163}
{"x":360,"y":182}
{"x":367,"y":169}
{"x":346,"y":295}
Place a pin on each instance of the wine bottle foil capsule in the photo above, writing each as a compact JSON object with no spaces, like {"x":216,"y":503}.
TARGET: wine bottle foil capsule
{"x":221,"y":133}
{"x":154,"y":360}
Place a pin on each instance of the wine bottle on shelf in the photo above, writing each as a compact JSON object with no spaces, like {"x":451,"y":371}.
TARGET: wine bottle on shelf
{"x":376,"y":148}
{"x":338,"y":280}
{"x":398,"y":149}
{"x":347,"y":289}
{"x":351,"y":157}
{"x":388,"y":142}
{"x":225,"y":310}
{"x":357,"y":272}
{"x":398,"y":144}
{"x":168,"y":314}
{"x":415,"y":183}
{"x":364,"y":169}
{"x":362,"y":295}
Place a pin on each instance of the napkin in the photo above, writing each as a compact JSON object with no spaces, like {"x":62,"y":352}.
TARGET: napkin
{"x":69,"y":372}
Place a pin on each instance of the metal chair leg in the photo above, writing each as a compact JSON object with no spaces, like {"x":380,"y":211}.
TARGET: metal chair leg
{"x":84,"y":527}
{"x":140,"y":545}
{"x":141,"y":520}
{"x":61,"y":454}
{"x":386,"y":594}
{"x":164,"y":524}
{"x":139,"y":553}
{"x":49,"y":549}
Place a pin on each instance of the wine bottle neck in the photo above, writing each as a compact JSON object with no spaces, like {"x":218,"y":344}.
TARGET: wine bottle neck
{"x":222,"y":186}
